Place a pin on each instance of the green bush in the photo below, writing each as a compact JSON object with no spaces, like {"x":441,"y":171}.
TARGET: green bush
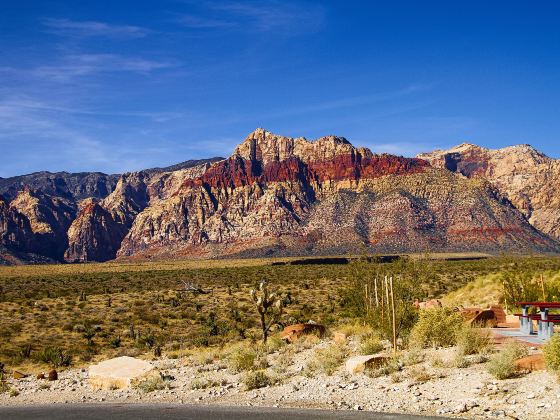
{"x":437,"y":327}
{"x":256,"y":379}
{"x":370,"y":344}
{"x":326,"y":360}
{"x":154,"y":383}
{"x":55,"y":356}
{"x":501,"y":365}
{"x":241,"y":358}
{"x":551,"y":352}
{"x":473,"y":341}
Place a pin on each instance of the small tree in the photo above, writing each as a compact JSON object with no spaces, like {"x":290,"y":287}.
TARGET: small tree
{"x":269,"y":306}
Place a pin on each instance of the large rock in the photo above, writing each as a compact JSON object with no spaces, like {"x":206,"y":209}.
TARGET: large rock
{"x":121,"y":372}
{"x":531,"y":363}
{"x":293,"y":332}
{"x":358,"y":364}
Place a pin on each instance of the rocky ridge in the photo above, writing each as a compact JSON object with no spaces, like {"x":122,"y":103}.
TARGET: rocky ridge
{"x":527,"y":177}
{"x":285,"y":196}
{"x":277,"y":195}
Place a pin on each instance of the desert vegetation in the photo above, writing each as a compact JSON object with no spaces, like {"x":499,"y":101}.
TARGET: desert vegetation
{"x":70,"y":315}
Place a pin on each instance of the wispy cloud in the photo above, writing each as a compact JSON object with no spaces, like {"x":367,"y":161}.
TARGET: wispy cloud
{"x":286,"y":19}
{"x":89,"y":28}
{"x":77,"y":65}
{"x":31,"y":104}
{"x":51,"y":139}
{"x":349,"y":102}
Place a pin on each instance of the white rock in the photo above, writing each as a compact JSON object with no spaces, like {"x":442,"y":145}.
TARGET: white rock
{"x":120,"y":372}
{"x":357,"y":364}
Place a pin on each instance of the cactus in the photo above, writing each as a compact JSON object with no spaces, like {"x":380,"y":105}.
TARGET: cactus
{"x":269,"y":306}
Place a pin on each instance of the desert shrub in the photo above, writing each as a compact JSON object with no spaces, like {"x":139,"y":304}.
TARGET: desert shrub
{"x":154,"y":383}
{"x":501,"y":365}
{"x":390,"y":367}
{"x":359,"y":298}
{"x":420,"y":375}
{"x":256,"y":379}
{"x":241,"y":358}
{"x":370,"y":344}
{"x":473,"y":341}
{"x":284,"y":360}
{"x":204,"y":383}
{"x":551,"y":352}
{"x":274,"y":344}
{"x":436,"y":327}
{"x":412,"y":357}
{"x":25,"y":351}
{"x":55,"y":356}
{"x":326,"y":360}
{"x":357,"y":329}
{"x":116,"y":341}
{"x":204,"y":356}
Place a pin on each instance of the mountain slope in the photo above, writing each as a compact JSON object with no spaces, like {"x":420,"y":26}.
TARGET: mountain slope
{"x":75,"y":186}
{"x":99,"y":228}
{"x":527,"y":177}
{"x":292,"y":196}
{"x":277,"y":195}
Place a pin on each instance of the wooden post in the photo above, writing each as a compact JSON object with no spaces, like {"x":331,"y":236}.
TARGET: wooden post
{"x":366,"y":300}
{"x":382,"y":303}
{"x":394,"y":321}
{"x":542,"y":286}
{"x":376,"y":298}
{"x":386,"y":292}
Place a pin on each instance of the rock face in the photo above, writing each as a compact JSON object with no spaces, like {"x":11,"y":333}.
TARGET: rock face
{"x":75,"y":186}
{"x":121,"y":372}
{"x":49,"y":217}
{"x":16,"y":234}
{"x":99,"y":228}
{"x":527,"y":177}
{"x":94,"y":235}
{"x":278,"y":195}
{"x":284,"y":196}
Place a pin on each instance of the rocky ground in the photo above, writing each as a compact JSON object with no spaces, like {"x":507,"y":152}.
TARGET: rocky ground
{"x":430,"y":387}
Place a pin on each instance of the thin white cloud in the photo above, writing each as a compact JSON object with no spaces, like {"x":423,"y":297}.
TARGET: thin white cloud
{"x":282,"y":18}
{"x":78,"y":65}
{"x":349,"y":102}
{"x":89,"y":28}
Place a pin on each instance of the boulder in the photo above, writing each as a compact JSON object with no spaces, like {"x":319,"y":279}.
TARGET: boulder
{"x":292,"y":332}
{"x":53,"y":375}
{"x":357,"y":364}
{"x":531,"y":363}
{"x":19,"y":375}
{"x":120,"y":372}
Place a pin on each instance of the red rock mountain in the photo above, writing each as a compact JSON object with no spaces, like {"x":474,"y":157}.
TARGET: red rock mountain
{"x":278,"y":195}
{"x":527,"y":177}
{"x":289,"y":196}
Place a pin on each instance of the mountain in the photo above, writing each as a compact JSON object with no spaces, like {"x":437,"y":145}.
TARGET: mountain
{"x":99,"y":228}
{"x":39,"y":211}
{"x":74,"y":186}
{"x":527,"y":177}
{"x":284,"y":196}
{"x":277,"y":195}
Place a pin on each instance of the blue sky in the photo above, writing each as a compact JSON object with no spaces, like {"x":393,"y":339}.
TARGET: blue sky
{"x":124,"y":85}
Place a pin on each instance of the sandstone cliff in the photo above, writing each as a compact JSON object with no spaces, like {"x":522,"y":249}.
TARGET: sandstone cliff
{"x":527,"y":177}
{"x":293,"y":196}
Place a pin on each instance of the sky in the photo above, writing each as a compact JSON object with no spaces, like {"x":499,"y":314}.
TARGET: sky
{"x":124,"y":85}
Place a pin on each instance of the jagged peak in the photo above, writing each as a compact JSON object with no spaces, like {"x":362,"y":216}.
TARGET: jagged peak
{"x":518,"y":149}
{"x":265,"y":146}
